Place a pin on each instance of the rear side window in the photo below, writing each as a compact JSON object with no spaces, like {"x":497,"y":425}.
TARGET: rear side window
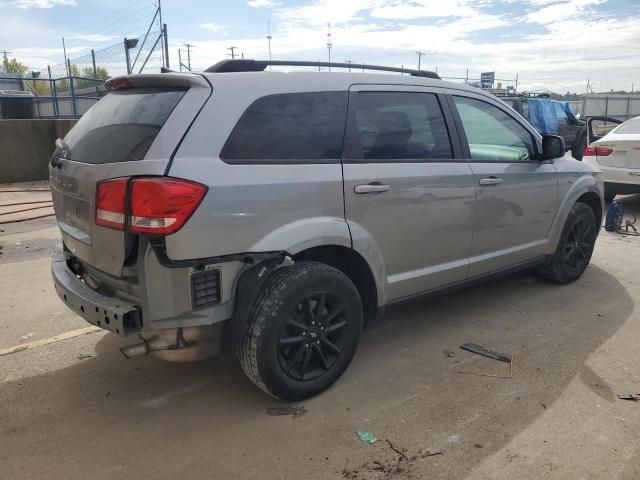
{"x":631,"y":126}
{"x":122,"y":126}
{"x":289,"y":128}
{"x":399,"y":126}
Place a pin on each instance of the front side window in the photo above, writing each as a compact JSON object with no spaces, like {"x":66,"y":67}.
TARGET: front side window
{"x":289,"y":128}
{"x":399,"y":126}
{"x":493,"y":135}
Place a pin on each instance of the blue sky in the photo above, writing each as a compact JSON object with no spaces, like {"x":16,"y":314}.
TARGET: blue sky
{"x":549,"y":44}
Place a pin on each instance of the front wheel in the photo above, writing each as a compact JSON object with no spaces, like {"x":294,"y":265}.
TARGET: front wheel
{"x":575,"y":247}
{"x":304,"y":330}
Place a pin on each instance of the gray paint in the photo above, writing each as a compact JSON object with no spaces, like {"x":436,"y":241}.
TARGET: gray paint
{"x":435,"y":225}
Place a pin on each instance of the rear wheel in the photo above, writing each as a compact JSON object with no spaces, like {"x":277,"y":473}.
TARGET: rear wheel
{"x":303,"y":333}
{"x":575,"y":247}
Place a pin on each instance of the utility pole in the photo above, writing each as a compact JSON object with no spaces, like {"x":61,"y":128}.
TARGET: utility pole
{"x":329,"y":44}
{"x":349,"y":62}
{"x":420,"y":55}
{"x":233,"y":52}
{"x":64,"y":50}
{"x":164,"y":44}
{"x":188,"y":45}
{"x":269,"y":37}
{"x":180,"y":59}
{"x":6,"y":58}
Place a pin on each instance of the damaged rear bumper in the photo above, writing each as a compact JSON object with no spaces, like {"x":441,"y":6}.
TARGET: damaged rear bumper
{"x":112,"y":314}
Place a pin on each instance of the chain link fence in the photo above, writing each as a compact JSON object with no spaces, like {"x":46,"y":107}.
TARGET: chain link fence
{"x":69,"y":90}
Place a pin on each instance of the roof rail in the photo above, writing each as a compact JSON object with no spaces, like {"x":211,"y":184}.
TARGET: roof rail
{"x":227,"y":66}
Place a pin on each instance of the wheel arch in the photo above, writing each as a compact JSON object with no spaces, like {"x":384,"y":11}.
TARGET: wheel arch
{"x":586,"y":189}
{"x":353,"y":265}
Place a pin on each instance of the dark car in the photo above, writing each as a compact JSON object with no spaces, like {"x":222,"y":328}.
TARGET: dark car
{"x":551,"y":117}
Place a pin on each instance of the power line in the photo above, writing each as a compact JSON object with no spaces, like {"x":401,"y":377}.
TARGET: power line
{"x":91,"y":26}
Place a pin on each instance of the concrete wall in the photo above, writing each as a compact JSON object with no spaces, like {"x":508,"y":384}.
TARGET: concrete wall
{"x":26,"y":147}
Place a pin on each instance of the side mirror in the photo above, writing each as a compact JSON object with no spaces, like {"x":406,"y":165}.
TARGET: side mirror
{"x":552,"y":147}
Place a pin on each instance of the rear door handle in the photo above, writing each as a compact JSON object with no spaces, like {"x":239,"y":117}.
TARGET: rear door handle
{"x":371,"y":188}
{"x":489,"y":181}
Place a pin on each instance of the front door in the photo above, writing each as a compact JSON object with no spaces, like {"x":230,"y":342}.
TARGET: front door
{"x":516,"y":195}
{"x":408,"y":202}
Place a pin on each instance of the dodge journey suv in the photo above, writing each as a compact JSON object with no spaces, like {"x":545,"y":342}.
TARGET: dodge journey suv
{"x":270,"y":215}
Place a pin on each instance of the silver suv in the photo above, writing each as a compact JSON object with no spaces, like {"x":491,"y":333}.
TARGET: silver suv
{"x":270,"y":215}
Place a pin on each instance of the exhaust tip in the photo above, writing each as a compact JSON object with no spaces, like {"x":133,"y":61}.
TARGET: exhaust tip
{"x":135,"y":350}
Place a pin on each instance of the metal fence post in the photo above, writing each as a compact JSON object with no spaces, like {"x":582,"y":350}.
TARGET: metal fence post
{"x":95,"y":72}
{"x":166,"y":45}
{"x":126,"y":56}
{"x":628,"y":115}
{"x":54,"y":93}
{"x":73,"y":92}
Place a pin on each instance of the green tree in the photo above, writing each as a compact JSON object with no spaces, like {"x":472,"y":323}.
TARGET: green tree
{"x":13,"y":66}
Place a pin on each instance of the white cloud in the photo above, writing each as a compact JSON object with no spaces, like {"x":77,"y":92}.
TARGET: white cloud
{"x":91,"y":37}
{"x":24,"y":4}
{"x":423,"y":9}
{"x":560,"y":11}
{"x":261,"y":3}
{"x":212,"y":26}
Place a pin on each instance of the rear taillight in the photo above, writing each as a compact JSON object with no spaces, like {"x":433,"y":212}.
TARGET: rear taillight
{"x":156,"y":205}
{"x":596,"y":150}
{"x":110,"y":203}
{"x":161,"y":206}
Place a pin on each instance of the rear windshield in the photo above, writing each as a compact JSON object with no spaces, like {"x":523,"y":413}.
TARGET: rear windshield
{"x":632,"y":126}
{"x":122,"y":126}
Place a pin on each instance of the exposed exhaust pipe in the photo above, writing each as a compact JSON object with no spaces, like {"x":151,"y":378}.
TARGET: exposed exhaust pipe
{"x":135,"y":350}
{"x":178,"y":344}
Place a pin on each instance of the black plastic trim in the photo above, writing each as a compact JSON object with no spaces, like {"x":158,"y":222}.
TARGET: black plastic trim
{"x":160,"y":248}
{"x":246,"y":65}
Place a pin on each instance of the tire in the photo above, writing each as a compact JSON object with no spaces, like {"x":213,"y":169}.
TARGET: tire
{"x":608,"y":197}
{"x":303,"y":331}
{"x":575,"y":247}
{"x":577,"y":152}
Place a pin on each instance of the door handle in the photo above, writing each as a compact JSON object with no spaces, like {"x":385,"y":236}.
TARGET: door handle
{"x":489,"y":181}
{"x":371,"y":188}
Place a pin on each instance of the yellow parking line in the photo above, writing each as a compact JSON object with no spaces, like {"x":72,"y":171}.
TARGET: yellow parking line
{"x":47,"y":341}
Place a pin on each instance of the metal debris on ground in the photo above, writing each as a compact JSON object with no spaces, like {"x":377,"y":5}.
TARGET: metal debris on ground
{"x":84,"y":356}
{"x":634,"y":397}
{"x":284,"y":411}
{"x":367,"y":436}
{"x":485,"y":352}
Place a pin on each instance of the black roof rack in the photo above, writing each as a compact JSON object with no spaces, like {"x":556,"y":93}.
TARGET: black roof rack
{"x":227,"y":66}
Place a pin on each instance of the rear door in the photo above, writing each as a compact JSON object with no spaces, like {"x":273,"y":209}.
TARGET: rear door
{"x":516,"y":196}
{"x":131,"y":131}
{"x":406,"y":196}
{"x":598,"y":127}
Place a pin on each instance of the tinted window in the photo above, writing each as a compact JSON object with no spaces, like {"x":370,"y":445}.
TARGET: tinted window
{"x":289,"y":128}
{"x":493,"y":135}
{"x":122,"y":126}
{"x":631,"y":126}
{"x":399,"y":126}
